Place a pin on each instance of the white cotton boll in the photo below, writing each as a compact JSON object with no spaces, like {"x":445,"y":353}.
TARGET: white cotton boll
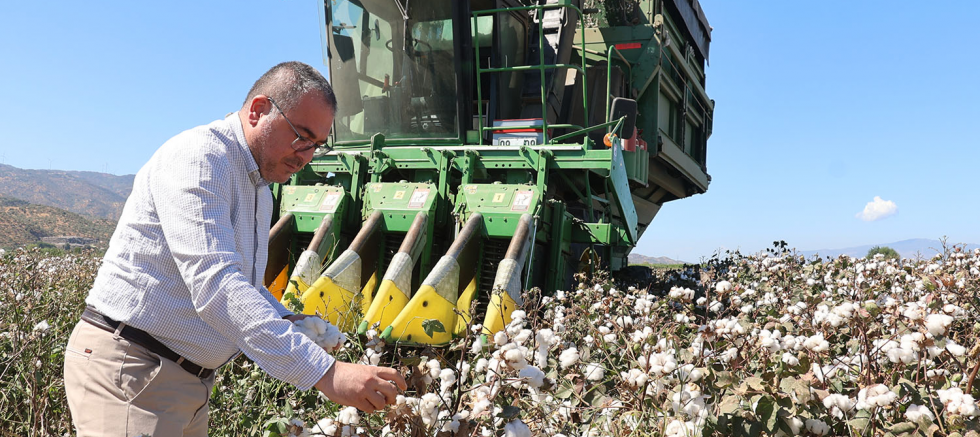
{"x":588,"y":340}
{"x":795,"y":424}
{"x":481,"y":365}
{"x":916,"y":412}
{"x":955,"y":349}
{"x":516,"y":428}
{"x":681,"y":293}
{"x":545,"y":338}
{"x":723,"y":287}
{"x":325,"y":427}
{"x":817,"y":426}
{"x":371,"y":357}
{"x":817,"y":343}
{"x":477,"y":345}
{"x":568,"y":357}
{"x":716,"y":307}
{"x":958,"y":403}
{"x":937,"y":323}
{"x":790,"y":359}
{"x":447,"y":378}
{"x":689,"y":373}
{"x":877,"y":395}
{"x":728,"y":354}
{"x":838,"y":405}
{"x":533,"y":376}
{"x":429,"y":408}
{"x":42,"y":326}
{"x":500,"y":338}
{"x":514,"y":356}
{"x":635,"y":378}
{"x":594,"y":372}
{"x":523,"y":336}
{"x":433,"y":367}
{"x":348,"y":416}
{"x":679,"y":428}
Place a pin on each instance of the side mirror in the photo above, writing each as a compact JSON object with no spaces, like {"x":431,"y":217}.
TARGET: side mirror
{"x":622,"y":106}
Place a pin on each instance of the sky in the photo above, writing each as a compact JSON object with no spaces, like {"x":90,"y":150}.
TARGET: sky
{"x":836,"y":124}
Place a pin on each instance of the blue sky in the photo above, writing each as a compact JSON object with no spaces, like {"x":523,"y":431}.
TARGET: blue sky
{"x":821,"y":107}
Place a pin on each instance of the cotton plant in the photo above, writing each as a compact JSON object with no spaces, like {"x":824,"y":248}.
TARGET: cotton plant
{"x":791,"y":345}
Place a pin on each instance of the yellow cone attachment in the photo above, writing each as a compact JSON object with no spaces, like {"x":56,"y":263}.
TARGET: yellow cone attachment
{"x":434,"y":304}
{"x":335,"y":294}
{"x":396,"y":286}
{"x":506,"y":295}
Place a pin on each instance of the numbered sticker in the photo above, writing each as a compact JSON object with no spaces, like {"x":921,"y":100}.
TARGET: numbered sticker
{"x":310,"y":197}
{"x":330,"y":202}
{"x":522,"y":200}
{"x":498,"y":197}
{"x":400,"y":194}
{"x":419,"y":196}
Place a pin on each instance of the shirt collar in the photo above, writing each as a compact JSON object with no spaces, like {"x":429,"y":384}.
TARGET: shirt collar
{"x":250,"y":165}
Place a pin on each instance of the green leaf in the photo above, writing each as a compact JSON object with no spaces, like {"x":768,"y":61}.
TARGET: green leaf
{"x":755,"y":383}
{"x":902,"y":428}
{"x":860,"y":421}
{"x":730,"y":404}
{"x":765,"y":410}
{"x":432,"y":325}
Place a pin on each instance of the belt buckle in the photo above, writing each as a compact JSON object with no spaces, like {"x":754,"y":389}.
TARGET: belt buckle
{"x":200,"y":372}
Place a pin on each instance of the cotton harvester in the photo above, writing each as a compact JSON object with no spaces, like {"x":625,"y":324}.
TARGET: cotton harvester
{"x":484,"y":147}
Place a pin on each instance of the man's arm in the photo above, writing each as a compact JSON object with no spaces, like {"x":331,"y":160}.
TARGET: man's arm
{"x":192,"y":194}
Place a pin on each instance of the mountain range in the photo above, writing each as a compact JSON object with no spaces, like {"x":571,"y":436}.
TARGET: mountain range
{"x":24,"y":223}
{"x":87,"y":193}
{"x":911,"y":248}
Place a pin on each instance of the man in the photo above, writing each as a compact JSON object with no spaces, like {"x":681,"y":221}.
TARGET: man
{"x":179,"y":292}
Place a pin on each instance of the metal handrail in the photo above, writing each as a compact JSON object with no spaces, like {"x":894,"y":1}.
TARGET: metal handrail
{"x":540,"y":67}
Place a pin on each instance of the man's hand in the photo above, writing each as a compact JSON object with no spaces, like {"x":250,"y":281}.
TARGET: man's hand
{"x":366,"y":388}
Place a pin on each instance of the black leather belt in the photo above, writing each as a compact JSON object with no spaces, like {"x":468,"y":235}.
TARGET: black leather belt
{"x":144,"y":339}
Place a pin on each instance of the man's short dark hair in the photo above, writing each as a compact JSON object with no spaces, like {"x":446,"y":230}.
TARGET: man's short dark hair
{"x":287,"y":82}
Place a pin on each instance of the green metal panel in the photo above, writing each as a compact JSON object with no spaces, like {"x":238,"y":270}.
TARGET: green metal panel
{"x":309,"y":204}
{"x":621,"y":190}
{"x":399,"y":202}
{"x":500,"y":204}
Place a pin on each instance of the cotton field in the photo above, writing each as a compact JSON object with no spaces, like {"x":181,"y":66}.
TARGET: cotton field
{"x":746,"y":345}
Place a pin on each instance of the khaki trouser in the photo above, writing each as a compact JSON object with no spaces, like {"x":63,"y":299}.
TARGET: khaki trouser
{"x":118,"y":388}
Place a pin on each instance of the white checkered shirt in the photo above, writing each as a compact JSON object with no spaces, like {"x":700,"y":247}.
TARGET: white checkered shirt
{"x":188,"y":256}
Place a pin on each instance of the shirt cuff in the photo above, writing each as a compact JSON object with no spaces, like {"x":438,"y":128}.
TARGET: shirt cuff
{"x":319,"y":365}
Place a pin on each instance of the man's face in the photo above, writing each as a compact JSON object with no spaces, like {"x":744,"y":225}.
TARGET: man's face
{"x":273,"y":144}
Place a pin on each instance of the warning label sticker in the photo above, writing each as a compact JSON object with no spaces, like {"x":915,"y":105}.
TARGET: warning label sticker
{"x":419,"y":196}
{"x":330,"y":202}
{"x":522,"y":200}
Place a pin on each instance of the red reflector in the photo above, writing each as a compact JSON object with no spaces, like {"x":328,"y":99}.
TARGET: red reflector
{"x":631,"y":45}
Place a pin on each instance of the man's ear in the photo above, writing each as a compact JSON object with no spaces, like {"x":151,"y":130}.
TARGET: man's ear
{"x":257,"y":107}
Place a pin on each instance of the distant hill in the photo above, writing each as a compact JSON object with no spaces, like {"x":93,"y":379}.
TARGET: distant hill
{"x":635,"y":258}
{"x":82,"y":192}
{"x":906,"y":248}
{"x":23,"y":223}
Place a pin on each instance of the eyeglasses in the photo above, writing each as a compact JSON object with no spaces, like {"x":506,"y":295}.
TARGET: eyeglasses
{"x":301,"y":143}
